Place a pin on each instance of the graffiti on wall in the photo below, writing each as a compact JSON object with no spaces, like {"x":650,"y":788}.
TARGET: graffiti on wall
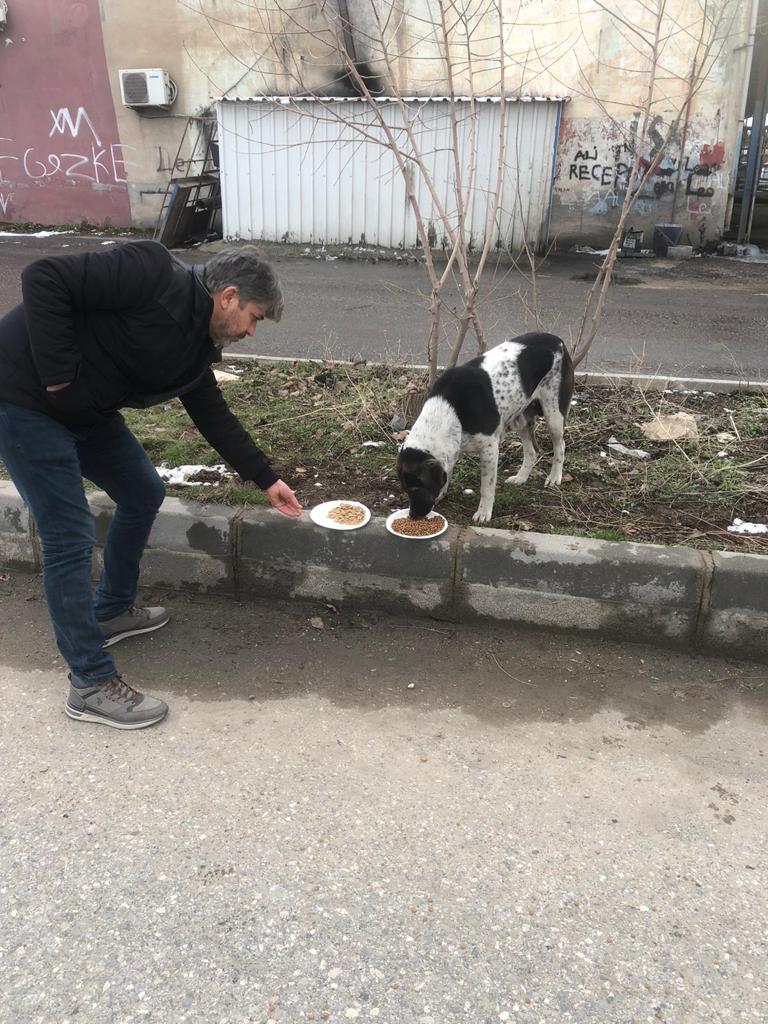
{"x":61,"y":160}
{"x":595,"y":167}
{"x":92,"y":161}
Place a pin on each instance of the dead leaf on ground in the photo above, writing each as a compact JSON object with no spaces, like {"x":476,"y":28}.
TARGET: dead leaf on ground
{"x":223,"y":377}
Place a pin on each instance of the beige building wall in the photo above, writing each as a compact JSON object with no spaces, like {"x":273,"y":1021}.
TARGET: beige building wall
{"x":554,"y":47}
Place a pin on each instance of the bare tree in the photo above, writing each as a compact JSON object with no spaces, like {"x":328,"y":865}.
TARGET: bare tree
{"x":653,"y":30}
{"x":468,"y":42}
{"x":478,"y":52}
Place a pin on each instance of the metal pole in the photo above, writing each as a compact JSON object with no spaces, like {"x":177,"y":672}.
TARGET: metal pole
{"x":754,"y":156}
{"x":749,"y":57}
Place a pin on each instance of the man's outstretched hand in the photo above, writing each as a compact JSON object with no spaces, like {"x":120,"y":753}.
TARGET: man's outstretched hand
{"x":283,"y":499}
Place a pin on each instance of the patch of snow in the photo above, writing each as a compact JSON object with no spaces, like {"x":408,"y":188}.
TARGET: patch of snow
{"x":184,"y":476}
{"x":740,"y":526}
{"x":33,"y":234}
{"x":589,"y":251}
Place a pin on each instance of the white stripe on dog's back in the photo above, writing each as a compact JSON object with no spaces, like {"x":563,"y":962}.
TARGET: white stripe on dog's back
{"x":507,"y":351}
{"x":437,"y":431}
{"x":500,"y":363}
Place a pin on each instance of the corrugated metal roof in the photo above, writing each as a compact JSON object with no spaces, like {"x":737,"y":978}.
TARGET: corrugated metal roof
{"x":388,"y":99}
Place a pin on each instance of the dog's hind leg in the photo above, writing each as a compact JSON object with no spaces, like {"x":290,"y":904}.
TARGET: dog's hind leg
{"x":556,"y":425}
{"x":554,"y":410}
{"x":489,"y":467}
{"x":523,"y":424}
{"x":556,"y":405}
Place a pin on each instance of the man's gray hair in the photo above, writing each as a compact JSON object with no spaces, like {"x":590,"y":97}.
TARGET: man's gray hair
{"x":244,"y":267}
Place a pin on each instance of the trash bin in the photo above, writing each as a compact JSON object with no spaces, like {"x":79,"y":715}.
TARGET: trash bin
{"x":665,"y":235}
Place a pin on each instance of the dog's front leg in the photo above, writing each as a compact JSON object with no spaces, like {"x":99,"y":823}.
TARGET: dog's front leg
{"x":489,"y":467}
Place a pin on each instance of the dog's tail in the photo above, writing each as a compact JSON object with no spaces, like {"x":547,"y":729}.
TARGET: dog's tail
{"x":567,"y":381}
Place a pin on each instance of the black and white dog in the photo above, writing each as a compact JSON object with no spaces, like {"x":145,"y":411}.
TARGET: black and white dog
{"x":470,"y":408}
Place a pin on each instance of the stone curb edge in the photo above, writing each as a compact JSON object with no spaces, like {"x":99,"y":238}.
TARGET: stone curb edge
{"x":675,"y":596}
{"x":601,"y":378}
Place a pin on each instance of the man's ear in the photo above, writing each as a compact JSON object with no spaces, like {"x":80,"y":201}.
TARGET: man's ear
{"x":228,"y":296}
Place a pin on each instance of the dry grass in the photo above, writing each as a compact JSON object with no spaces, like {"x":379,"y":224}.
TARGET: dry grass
{"x":313,"y":421}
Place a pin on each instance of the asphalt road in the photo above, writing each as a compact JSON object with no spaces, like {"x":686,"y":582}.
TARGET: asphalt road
{"x":705,"y":318}
{"x":542,"y":830}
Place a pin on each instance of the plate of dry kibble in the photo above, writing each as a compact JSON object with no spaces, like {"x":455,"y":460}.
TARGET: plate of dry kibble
{"x":340,"y":515}
{"x":401,"y":524}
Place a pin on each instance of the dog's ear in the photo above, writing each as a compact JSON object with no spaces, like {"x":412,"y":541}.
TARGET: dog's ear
{"x":408,"y":468}
{"x":434,"y":475}
{"x":412,"y":462}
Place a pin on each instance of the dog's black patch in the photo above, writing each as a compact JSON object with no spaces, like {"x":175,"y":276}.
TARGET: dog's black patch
{"x":533,"y":410}
{"x":536,"y":358}
{"x":468,"y":389}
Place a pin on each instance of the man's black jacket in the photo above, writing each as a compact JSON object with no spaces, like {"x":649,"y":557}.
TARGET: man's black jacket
{"x":129,"y":327}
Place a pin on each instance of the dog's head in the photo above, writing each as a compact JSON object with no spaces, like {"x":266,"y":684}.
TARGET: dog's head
{"x":423,"y":479}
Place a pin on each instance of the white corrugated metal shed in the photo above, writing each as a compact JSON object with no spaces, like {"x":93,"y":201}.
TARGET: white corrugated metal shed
{"x":314,"y":170}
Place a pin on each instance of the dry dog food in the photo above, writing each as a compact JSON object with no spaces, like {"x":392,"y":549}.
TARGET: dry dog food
{"x":417,"y":527}
{"x":347,"y":515}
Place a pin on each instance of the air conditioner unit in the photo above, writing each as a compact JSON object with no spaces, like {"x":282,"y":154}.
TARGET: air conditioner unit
{"x":146,"y":87}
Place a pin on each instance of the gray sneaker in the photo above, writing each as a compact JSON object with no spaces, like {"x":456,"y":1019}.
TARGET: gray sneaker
{"x":133,"y":622}
{"x":114,"y":703}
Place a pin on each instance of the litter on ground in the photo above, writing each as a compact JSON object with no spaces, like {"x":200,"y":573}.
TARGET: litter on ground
{"x":615,"y":448}
{"x":673,"y":427}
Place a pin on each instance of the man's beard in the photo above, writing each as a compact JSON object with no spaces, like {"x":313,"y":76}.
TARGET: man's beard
{"x":225,"y":336}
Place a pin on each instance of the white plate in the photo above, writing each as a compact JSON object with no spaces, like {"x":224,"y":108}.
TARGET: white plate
{"x":319,"y":515}
{"x":402,"y":514}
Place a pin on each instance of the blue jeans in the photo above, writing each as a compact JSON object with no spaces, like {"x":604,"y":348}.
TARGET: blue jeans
{"x":47,"y":462}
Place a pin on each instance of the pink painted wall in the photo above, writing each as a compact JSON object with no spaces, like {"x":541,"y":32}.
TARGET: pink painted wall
{"x":61,"y":161}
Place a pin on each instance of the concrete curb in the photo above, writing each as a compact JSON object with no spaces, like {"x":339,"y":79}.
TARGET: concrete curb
{"x":671,"y":595}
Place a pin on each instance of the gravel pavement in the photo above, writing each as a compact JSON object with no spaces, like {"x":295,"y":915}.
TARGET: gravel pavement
{"x":541,"y":830}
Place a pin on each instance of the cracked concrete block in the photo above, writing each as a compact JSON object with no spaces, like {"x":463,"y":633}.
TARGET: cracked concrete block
{"x":180,"y":526}
{"x":190,"y":546}
{"x":737,"y":618}
{"x":297,"y":558}
{"x":638,"y":591}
